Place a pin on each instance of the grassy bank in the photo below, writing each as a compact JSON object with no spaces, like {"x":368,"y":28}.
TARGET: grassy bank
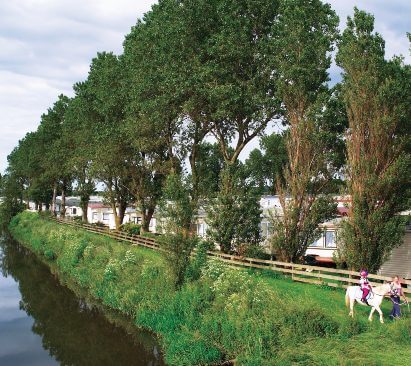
{"x":255,"y":318}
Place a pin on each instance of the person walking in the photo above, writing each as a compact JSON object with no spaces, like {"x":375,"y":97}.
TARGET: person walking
{"x":395,"y":295}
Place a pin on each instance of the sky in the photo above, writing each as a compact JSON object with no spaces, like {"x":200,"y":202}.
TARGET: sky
{"x":46,"y":46}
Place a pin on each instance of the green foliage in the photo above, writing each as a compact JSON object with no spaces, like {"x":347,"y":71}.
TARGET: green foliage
{"x":292,"y":236}
{"x":209,"y":164}
{"x":197,"y":263}
{"x":177,"y":254}
{"x":10,"y":203}
{"x":234,"y":216}
{"x":224,"y":314}
{"x":303,"y":91}
{"x":265,"y":166}
{"x":49,"y":254}
{"x":177,"y":211}
{"x":130,"y":228}
{"x":376,"y":93}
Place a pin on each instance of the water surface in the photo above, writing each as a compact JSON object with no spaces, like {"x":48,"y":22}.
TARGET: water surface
{"x":45,"y":323}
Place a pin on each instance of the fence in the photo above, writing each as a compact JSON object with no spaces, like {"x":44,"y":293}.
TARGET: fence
{"x":297,"y":272}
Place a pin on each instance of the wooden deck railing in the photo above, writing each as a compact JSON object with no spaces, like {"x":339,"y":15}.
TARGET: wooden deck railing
{"x":297,"y":272}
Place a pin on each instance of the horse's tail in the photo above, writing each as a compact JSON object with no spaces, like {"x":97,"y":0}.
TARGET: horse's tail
{"x":347,"y":298}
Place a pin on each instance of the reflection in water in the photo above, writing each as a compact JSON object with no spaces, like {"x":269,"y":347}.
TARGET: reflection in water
{"x":72,"y":330}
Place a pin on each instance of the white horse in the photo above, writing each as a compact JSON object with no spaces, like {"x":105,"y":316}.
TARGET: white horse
{"x":354,"y":293}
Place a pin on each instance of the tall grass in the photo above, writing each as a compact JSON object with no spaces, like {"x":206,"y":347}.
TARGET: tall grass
{"x":221,"y":313}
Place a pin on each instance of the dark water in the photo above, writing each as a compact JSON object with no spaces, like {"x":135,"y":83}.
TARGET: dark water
{"x":44,"y":323}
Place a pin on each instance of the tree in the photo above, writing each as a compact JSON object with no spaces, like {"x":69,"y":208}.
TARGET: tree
{"x":266,"y":166}
{"x":25,"y":162}
{"x":52,"y":161}
{"x":304,"y":36}
{"x":11,"y":198}
{"x":377,"y":96}
{"x":177,"y":213}
{"x":152,"y":111}
{"x":110,"y":158}
{"x":234,"y":216}
{"x":79,"y":139}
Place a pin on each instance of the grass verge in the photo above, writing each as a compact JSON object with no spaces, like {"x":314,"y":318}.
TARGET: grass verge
{"x":257,"y":318}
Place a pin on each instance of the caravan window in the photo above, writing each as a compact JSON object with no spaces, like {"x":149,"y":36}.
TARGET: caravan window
{"x":330,"y":241}
{"x":106,"y":216}
{"x":265,"y":229}
{"x":319,"y":243}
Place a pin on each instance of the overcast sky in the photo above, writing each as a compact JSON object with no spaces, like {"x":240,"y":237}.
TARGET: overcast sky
{"x":47,"y":45}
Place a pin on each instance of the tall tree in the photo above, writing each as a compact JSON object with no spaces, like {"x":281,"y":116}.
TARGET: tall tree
{"x":377,"y":95}
{"x":79,"y":138}
{"x":110,"y":154}
{"x":153,"y":108}
{"x":304,"y":37}
{"x":11,"y":198}
{"x":52,"y":161}
{"x":238,"y":73}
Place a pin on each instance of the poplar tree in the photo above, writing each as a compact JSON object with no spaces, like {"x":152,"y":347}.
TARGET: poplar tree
{"x":377,"y":95}
{"x":110,"y":152}
{"x":55,"y":154}
{"x":304,"y":36}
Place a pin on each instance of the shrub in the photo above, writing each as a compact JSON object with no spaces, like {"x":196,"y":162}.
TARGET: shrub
{"x":130,"y":228}
{"x":99,"y":224}
{"x":49,"y":254}
{"x":177,"y":251}
{"x":199,"y":261}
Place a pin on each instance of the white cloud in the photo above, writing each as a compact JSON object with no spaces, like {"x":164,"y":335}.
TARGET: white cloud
{"x":45,"y":47}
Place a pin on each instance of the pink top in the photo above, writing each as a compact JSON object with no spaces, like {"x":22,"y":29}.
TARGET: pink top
{"x":396,"y":289}
{"x":364,"y":282}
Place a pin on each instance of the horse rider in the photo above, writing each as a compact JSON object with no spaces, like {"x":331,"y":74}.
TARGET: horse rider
{"x":364,"y":285}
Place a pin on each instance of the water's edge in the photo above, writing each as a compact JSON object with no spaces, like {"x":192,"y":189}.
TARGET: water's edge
{"x":142,"y":337}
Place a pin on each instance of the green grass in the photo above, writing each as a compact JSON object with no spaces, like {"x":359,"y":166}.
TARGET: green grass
{"x":257,"y":318}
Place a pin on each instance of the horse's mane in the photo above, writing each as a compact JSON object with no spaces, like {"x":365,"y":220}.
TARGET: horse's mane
{"x":380,"y":287}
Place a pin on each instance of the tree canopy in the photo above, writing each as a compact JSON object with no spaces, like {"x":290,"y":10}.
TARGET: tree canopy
{"x":198,"y":80}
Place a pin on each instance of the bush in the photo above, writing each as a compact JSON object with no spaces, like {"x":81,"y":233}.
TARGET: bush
{"x":130,"y":228}
{"x":177,"y":252}
{"x":99,"y":224}
{"x":49,"y":254}
{"x":199,"y":261}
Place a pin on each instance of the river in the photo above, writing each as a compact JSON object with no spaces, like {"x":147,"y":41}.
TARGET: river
{"x":45,"y":323}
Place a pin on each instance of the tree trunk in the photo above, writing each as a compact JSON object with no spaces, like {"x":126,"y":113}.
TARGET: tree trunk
{"x":116,"y":216}
{"x":122,"y":212}
{"x":63,"y":202}
{"x":84,"y":207}
{"x":194,"y":175}
{"x":53,"y":200}
{"x":147,"y":216}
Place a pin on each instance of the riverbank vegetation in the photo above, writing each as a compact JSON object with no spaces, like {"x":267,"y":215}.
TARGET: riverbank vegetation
{"x":257,"y":318}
